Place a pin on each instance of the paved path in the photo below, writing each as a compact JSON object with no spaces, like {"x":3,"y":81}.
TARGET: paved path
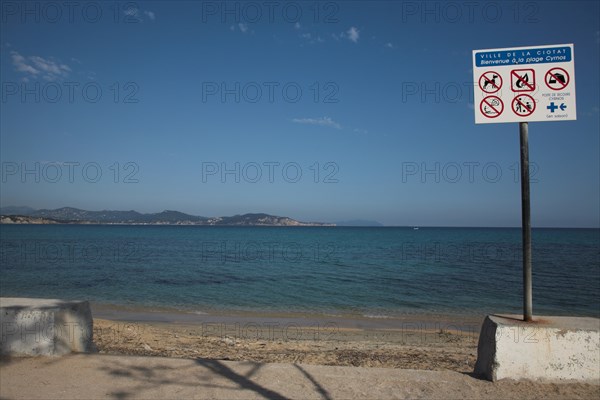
{"x":123,"y":377}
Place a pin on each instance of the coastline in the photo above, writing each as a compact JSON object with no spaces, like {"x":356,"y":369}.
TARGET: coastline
{"x":414,"y":341}
{"x":145,"y":314}
{"x":140,"y":349}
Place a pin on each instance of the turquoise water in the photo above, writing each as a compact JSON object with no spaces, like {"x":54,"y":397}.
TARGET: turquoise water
{"x":362,"y":271}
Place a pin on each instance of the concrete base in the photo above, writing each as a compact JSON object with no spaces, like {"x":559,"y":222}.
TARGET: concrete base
{"x":549,"y":348}
{"x":32,"y":327}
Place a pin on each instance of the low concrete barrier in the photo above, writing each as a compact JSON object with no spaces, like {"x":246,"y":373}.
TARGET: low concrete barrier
{"x":549,"y":348}
{"x":32,"y":327}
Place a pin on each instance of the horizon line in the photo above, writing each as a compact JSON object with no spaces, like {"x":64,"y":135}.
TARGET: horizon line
{"x":381,"y":225}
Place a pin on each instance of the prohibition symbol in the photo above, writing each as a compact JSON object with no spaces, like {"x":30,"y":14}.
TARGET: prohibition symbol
{"x":557,"y":78}
{"x":522,"y":80}
{"x":491,"y":106}
{"x":490,"y":82}
{"x":523,"y":105}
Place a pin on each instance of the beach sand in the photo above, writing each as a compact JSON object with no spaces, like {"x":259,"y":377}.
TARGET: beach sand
{"x":322,"y":345}
{"x":145,"y":354}
{"x":428,"y":342}
{"x":94,"y":376}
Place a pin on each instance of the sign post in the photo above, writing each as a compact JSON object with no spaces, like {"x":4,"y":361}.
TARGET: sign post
{"x":526,"y":222}
{"x":525,"y":84}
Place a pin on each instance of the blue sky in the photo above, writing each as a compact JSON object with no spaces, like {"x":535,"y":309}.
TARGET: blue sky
{"x":319,"y":111}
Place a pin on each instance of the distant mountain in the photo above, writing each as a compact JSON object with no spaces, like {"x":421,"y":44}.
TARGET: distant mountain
{"x":358,"y":222}
{"x":167,"y":217}
{"x":262,"y":219}
{"x":173,"y":217}
{"x":77,"y":215}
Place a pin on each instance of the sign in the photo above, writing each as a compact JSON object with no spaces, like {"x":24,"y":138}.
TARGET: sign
{"x":523,"y":105}
{"x":539,"y":84}
{"x":523,"y":80}
{"x":557,"y":79}
{"x":492,"y":106}
{"x":490,"y":82}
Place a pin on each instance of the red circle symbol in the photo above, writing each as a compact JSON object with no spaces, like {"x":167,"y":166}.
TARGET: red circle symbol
{"x":557,"y":78}
{"x":491,"y":106}
{"x":523,"y":105}
{"x":490,"y":82}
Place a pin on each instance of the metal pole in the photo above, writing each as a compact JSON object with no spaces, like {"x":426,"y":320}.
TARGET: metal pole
{"x":526,"y":222}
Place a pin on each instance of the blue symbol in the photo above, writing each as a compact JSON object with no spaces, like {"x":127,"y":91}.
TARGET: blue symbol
{"x":553,"y":107}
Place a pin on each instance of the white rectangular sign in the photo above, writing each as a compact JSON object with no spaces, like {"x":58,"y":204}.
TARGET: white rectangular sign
{"x":524,"y":84}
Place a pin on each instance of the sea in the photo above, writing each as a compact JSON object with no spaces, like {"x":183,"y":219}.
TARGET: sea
{"x":374,"y":272}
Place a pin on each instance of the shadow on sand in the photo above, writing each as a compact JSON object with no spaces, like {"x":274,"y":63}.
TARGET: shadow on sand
{"x":203,"y":374}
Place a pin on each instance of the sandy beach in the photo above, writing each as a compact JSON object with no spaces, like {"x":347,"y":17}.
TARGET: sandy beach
{"x":430,"y":350}
{"x":252,"y":356}
{"x":414,"y":341}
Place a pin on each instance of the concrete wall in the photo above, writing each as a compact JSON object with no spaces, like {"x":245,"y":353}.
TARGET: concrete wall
{"x":549,"y":348}
{"x":31,"y":327}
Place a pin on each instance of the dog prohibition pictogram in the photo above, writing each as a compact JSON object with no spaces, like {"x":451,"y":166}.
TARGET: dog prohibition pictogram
{"x":557,"y":78}
{"x":491,"y":106}
{"x":523,"y":105}
{"x":490,"y":82}
{"x":522,"y":80}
